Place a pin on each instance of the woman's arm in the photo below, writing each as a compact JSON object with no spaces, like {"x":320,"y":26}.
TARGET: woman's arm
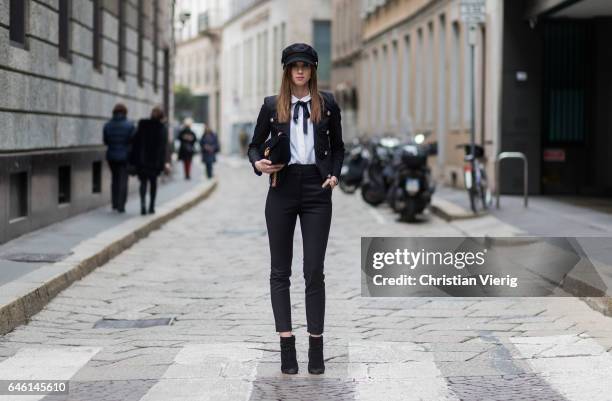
{"x":261,"y":132}
{"x":336,"y":142}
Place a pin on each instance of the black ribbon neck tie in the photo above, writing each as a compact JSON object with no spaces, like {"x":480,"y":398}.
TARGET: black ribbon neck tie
{"x":305,"y":111}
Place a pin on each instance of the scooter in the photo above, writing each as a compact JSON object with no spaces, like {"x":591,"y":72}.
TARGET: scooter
{"x":353,"y":168}
{"x":378,"y":175}
{"x":412,"y":186}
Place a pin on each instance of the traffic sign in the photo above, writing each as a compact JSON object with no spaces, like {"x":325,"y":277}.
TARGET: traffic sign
{"x":473,"y":11}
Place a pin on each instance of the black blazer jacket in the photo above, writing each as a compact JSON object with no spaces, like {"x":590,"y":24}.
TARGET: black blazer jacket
{"x":328,"y":143}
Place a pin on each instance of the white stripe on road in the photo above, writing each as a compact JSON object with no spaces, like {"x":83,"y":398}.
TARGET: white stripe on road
{"x":216,"y":371}
{"x":394,"y":371}
{"x":377,"y":216}
{"x":578,"y":368}
{"x":58,"y":363}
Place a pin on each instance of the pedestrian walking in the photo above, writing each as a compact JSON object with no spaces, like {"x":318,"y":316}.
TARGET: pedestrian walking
{"x":187,"y":139}
{"x":243,"y":137}
{"x":148,"y":155}
{"x":117,"y":133}
{"x":209,"y":143}
{"x":305,"y":156}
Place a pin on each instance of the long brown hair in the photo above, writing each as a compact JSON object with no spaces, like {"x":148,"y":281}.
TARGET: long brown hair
{"x":283,"y":102}
{"x":157,"y":113}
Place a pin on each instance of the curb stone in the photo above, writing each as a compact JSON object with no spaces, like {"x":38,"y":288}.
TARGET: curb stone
{"x":31,"y":296}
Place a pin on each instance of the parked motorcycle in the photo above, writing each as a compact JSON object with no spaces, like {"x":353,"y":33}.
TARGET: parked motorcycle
{"x":378,"y":174}
{"x":353,"y":168}
{"x":412,"y":186}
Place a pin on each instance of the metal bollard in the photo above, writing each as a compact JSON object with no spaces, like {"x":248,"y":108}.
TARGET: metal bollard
{"x":511,"y":155}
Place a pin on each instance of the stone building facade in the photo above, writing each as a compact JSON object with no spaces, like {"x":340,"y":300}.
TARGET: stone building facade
{"x":64,"y":64}
{"x":253,"y":39}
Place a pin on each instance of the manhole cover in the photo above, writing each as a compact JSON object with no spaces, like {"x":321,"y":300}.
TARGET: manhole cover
{"x":132,"y":324}
{"x":37,"y":257}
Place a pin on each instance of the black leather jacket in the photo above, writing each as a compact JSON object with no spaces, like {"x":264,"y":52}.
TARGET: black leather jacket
{"x":328,"y":143}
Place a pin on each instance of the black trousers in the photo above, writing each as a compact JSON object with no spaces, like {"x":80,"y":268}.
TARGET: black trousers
{"x":300,"y":194}
{"x":152,"y":180}
{"x":209,"y":168}
{"x":119,"y":184}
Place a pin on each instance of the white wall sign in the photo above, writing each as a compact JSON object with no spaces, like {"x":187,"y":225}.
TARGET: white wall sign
{"x":472,"y":11}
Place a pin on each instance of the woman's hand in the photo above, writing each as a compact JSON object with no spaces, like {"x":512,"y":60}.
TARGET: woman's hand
{"x":331,"y":181}
{"x":266,"y":166}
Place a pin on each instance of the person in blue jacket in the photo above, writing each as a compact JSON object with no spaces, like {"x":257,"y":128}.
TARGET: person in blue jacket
{"x":209,"y":143}
{"x":118,"y":132}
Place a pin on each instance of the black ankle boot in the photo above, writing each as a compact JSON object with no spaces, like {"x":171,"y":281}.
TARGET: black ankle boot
{"x":143,"y":210}
{"x":315,"y":355}
{"x":289,"y":363}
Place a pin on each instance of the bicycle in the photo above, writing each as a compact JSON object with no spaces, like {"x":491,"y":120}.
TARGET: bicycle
{"x":475,"y":178}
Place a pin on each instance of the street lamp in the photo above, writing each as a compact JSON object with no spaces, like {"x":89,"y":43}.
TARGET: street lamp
{"x":183,"y":17}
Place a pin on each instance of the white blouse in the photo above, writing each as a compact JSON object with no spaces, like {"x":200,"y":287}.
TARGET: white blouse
{"x":302,"y":146}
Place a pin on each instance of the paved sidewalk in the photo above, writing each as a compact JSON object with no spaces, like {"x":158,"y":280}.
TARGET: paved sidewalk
{"x":545,"y":215}
{"x":59,"y":238}
{"x":208,"y":271}
{"x":36,"y":266}
{"x":588,"y":219}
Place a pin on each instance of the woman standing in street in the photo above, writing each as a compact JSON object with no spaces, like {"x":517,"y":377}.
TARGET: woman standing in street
{"x":187,"y":148}
{"x":303,"y":187}
{"x":149,"y":155}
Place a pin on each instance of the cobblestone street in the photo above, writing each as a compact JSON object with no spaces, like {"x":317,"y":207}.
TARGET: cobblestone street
{"x":208,"y":271}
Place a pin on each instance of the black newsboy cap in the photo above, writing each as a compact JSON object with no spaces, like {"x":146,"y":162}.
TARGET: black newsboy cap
{"x":299,"y":52}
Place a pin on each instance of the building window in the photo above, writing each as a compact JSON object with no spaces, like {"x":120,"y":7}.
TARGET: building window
{"x":467,"y":78}
{"x":455,"y":73}
{"x":258,"y":63}
{"x":65,"y":10}
{"x":418,"y":81}
{"x":18,"y":22}
{"x":407,"y":70}
{"x":393,"y":86}
{"x":18,"y":195}
{"x":96,"y":177}
{"x":247,"y":80}
{"x":374,"y":95}
{"x":264,"y":56}
{"x":277,"y":68}
{"x":441,"y":63}
{"x":283,"y":38}
{"x":140,"y":42}
{"x":322,"y":42}
{"x":155,"y":43}
{"x":166,"y":81}
{"x":384,"y":94}
{"x":97,"y":34}
{"x":429,"y":92}
{"x":63,"y":184}
{"x":121,"y":39}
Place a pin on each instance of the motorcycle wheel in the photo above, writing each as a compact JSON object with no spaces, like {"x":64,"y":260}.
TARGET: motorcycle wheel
{"x":347,"y":188}
{"x":371,"y":195}
{"x":409,"y":212}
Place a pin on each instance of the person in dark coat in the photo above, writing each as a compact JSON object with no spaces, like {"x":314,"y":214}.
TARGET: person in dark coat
{"x":149,"y":155}
{"x":118,"y":132}
{"x":209,"y":143}
{"x":188,"y":140}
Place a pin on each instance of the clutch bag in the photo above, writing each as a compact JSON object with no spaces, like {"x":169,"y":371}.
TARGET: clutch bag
{"x":277,"y":150}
